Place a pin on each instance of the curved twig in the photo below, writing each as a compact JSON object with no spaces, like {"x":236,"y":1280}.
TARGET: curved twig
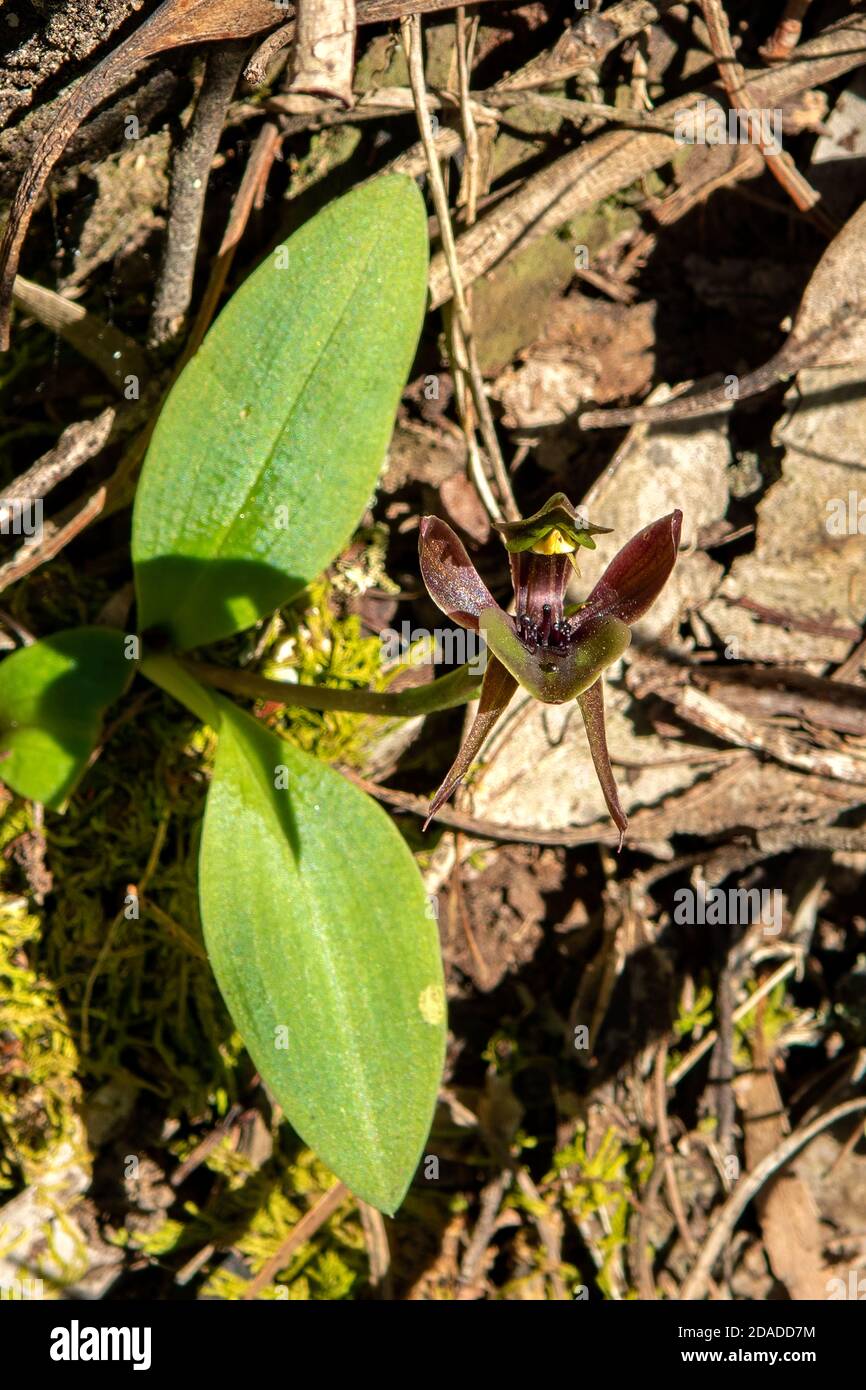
{"x":694,"y":1286}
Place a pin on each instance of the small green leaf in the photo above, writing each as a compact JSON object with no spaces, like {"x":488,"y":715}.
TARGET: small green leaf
{"x":320,"y":936}
{"x":52,"y":698}
{"x":269,"y":445}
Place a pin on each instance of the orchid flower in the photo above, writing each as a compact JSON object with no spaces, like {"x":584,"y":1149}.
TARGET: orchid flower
{"x":556,"y":654}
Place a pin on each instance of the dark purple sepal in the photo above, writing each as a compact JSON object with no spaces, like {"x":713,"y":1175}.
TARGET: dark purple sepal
{"x":452,"y":580}
{"x":637,"y":574}
{"x":591,"y":703}
{"x":497,"y":688}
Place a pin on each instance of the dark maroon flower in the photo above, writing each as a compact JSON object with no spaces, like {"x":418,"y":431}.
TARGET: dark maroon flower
{"x":555,"y":654}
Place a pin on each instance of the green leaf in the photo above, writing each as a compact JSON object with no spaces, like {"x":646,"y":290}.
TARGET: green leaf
{"x":52,"y":698}
{"x":271,"y":440}
{"x":320,"y":936}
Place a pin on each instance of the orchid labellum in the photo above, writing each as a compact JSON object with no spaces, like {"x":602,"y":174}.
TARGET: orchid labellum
{"x":554,"y":653}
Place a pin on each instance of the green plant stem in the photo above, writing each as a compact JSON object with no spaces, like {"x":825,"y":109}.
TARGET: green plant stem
{"x":172,"y":675}
{"x":443,"y":693}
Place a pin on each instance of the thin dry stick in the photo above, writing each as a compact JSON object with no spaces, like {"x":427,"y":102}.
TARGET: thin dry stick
{"x":251,"y":188}
{"x":694,"y":1286}
{"x":576,"y":110}
{"x":414,"y":161}
{"x":378,"y":1250}
{"x":786,"y":35}
{"x":650,"y":828}
{"x":852,"y":665}
{"x":549,"y":1227}
{"x":459,"y":348}
{"x":667,"y":1150}
{"x":491,"y":1201}
{"x":781,"y":166}
{"x":77,"y":444}
{"x":204,"y":1147}
{"x":465,"y":39}
{"x":111,"y":351}
{"x":586,"y":45}
{"x":374,"y":11}
{"x":457,"y":905}
{"x":481,"y":829}
{"x":640,"y":1259}
{"x":411,"y":30}
{"x":189,"y":179}
{"x":721,"y":1070}
{"x":305,"y":1230}
{"x":462,"y":351}
{"x":30,"y":557}
{"x":257,"y":66}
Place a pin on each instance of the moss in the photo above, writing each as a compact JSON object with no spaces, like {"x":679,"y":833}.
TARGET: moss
{"x":770,"y":1017}
{"x":607,"y":1181}
{"x":254,"y":1213}
{"x":40,"y":1093}
{"x":313,"y":644}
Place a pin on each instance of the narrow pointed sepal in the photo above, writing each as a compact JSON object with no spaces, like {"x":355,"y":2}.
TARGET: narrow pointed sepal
{"x":497,"y":688}
{"x":637,"y":574}
{"x":452,"y":580}
{"x":591,"y":703}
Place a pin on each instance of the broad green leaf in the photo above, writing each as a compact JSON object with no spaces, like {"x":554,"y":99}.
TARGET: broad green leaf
{"x":319,"y":933}
{"x":52,"y":698}
{"x":270,"y":442}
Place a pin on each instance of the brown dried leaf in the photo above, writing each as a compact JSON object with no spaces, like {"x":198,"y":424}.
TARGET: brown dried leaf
{"x":463,"y":505}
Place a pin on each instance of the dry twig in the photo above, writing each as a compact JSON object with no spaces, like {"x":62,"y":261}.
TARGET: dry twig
{"x":411,"y":29}
{"x":694,"y":1286}
{"x":323,"y":56}
{"x":781,"y":166}
{"x":305,"y":1229}
{"x":189,"y":179}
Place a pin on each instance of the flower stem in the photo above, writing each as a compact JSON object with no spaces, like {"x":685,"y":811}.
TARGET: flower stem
{"x":445,"y":692}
